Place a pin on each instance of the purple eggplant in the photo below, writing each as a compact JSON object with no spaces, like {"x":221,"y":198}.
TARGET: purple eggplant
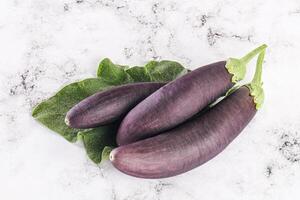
{"x":194,"y":142}
{"x":110,"y":105}
{"x":182,"y":98}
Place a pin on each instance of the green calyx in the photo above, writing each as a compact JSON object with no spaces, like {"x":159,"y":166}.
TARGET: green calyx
{"x":255,"y":87}
{"x":237,"y":67}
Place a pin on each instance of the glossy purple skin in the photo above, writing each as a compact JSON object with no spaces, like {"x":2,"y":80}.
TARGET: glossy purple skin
{"x":190,"y":144}
{"x":175,"y":103}
{"x":108,"y":106}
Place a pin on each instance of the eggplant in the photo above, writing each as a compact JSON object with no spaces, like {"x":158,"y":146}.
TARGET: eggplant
{"x":110,"y":105}
{"x":196,"y":141}
{"x":182,"y":98}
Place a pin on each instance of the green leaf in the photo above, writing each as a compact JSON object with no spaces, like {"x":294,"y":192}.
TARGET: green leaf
{"x":114,"y":74}
{"x":139,"y":74}
{"x":95,"y":141}
{"x":162,"y":71}
{"x":52,"y":112}
{"x":165,"y":70}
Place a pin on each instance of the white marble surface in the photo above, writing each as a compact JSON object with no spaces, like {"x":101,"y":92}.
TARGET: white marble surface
{"x":45,"y":44}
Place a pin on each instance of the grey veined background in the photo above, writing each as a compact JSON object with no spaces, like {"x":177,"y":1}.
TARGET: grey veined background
{"x":45,"y":44}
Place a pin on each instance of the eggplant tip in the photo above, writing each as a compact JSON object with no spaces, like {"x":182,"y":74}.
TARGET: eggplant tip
{"x":67,"y":121}
{"x":111,"y":156}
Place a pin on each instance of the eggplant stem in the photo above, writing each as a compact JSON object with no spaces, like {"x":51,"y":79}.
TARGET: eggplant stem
{"x":248,"y":57}
{"x":255,"y":87}
{"x":237,"y":67}
{"x":258,"y":71}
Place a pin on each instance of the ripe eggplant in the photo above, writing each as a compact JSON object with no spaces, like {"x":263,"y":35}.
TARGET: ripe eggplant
{"x":109,"y":105}
{"x":194,"y":142}
{"x":182,"y":98}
